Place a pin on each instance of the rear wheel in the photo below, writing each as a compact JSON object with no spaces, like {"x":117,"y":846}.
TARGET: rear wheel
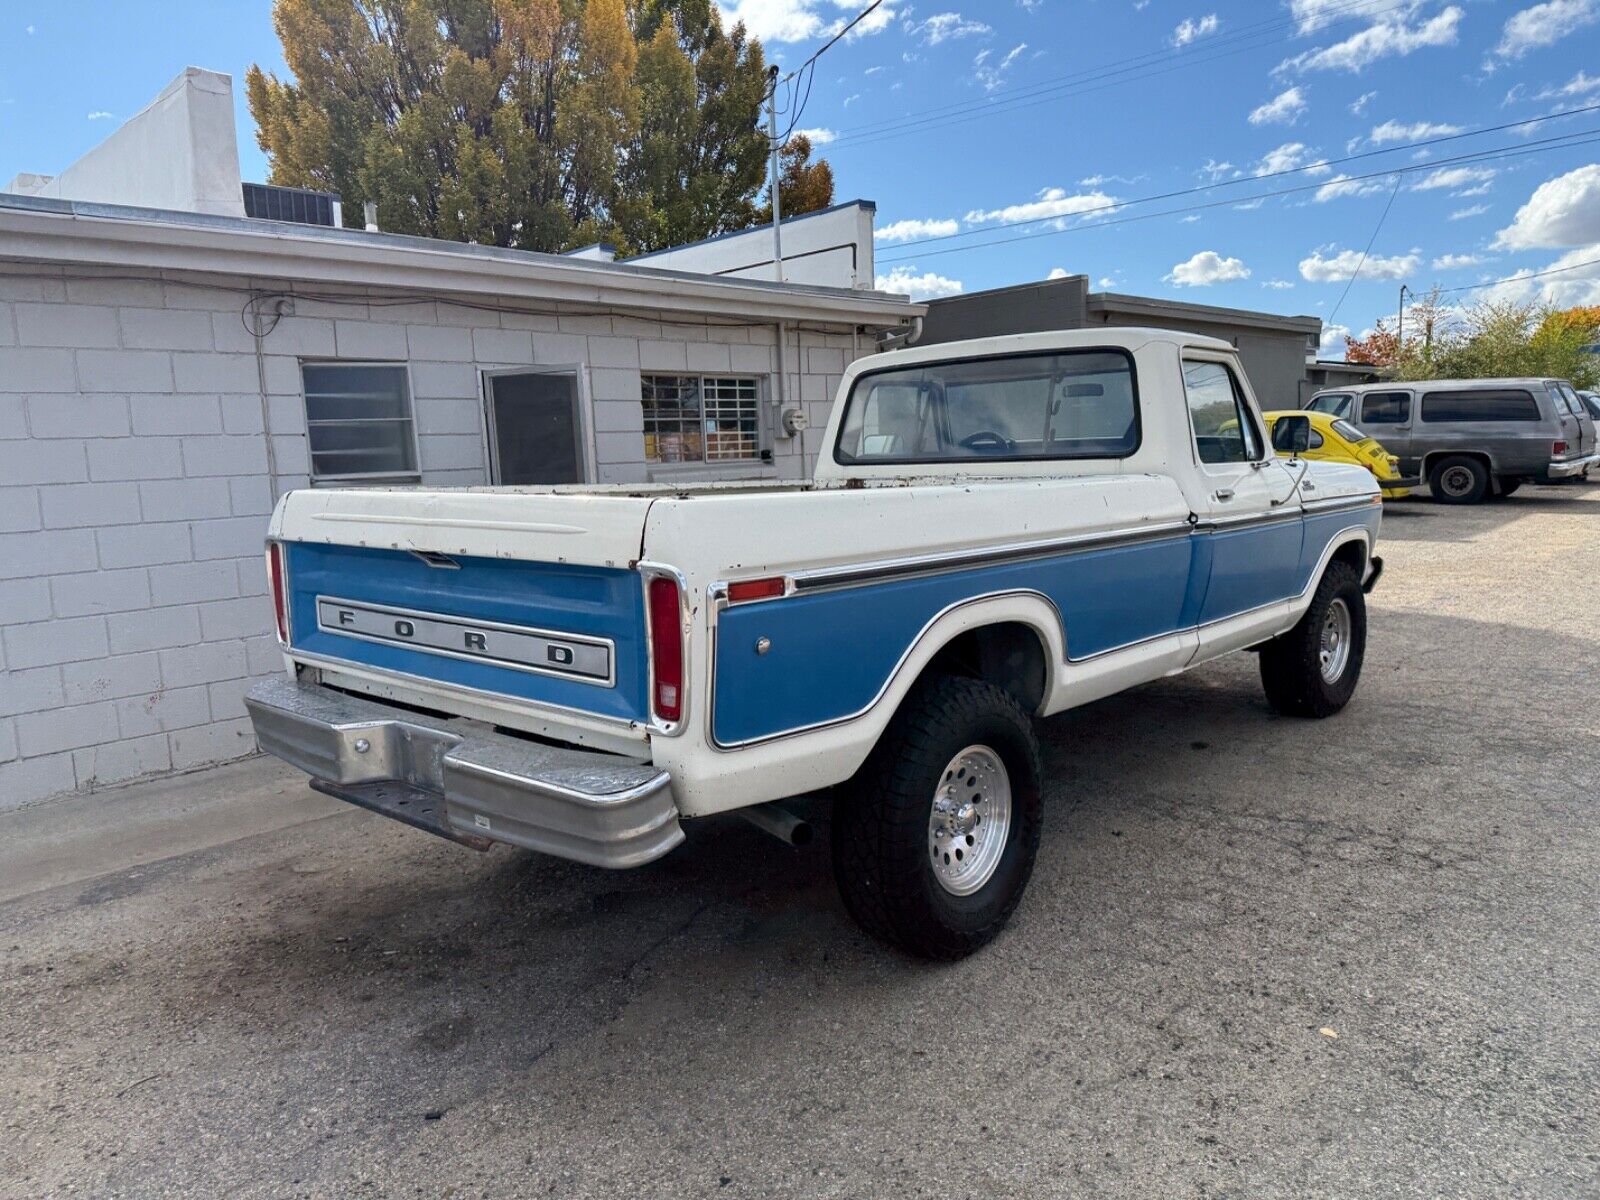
{"x":1458,"y":479}
{"x":935,"y":837}
{"x":1312,"y":670}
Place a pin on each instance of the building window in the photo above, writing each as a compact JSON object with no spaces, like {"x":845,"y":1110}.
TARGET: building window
{"x":358,"y":421}
{"x":701,"y":418}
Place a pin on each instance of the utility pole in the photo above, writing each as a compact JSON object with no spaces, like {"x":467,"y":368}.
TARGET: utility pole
{"x":772,"y":139}
{"x":1400,"y":332}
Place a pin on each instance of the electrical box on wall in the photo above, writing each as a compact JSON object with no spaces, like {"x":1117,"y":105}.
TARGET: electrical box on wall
{"x":794,"y":421}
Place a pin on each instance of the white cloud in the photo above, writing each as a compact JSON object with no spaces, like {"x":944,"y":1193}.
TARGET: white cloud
{"x":1191,"y":219}
{"x":1454,"y":177}
{"x":910,"y":229}
{"x":904,"y":280}
{"x":849,"y":100}
{"x":1462,"y":214}
{"x":1312,"y":15}
{"x":1361,"y":102}
{"x":942,"y":27}
{"x":1340,"y":265}
{"x":1332,"y":343}
{"x":1051,"y":202}
{"x":1206,"y":268}
{"x":1214,"y":170}
{"x":1291,"y":156}
{"x":30,"y":30}
{"x":1342,"y":185}
{"x":991,"y":77}
{"x":1395,"y":131}
{"x":1564,"y":211}
{"x":1284,"y":108}
{"x":1455,"y":262}
{"x":1544,"y":25}
{"x":1580,"y":85}
{"x":1189,"y":29}
{"x":818,"y":136}
{"x":1058,"y":273}
{"x":1106,"y":282}
{"x":1576,"y":284}
{"x":101,"y":114}
{"x":1392,"y":34}
{"x":1277,"y":285}
{"x":799,"y":20}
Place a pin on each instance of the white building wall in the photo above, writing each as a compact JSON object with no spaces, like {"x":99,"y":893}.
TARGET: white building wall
{"x":180,"y":153}
{"x":830,"y":248}
{"x":134,"y":485}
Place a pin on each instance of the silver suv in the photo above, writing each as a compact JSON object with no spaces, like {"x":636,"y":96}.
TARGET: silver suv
{"x":1473,"y":438}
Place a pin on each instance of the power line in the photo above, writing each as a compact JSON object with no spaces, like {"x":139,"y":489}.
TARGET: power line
{"x":1473,"y":287}
{"x":1580,"y":138}
{"x":1319,"y":165}
{"x":1350,"y":283}
{"x":1149,"y":64}
{"x":829,"y":44}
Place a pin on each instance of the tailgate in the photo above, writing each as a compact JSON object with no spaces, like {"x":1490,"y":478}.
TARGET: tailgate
{"x":522,"y":595}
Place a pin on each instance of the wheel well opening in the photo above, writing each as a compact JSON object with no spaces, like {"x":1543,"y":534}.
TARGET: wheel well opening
{"x":1009,"y":654}
{"x":1430,"y":461}
{"x":1353,"y":552}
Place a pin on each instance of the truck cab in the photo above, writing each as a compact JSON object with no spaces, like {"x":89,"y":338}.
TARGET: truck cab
{"x":997,"y":530}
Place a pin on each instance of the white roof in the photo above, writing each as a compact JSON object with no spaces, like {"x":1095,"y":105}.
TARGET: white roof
{"x":1099,"y":337}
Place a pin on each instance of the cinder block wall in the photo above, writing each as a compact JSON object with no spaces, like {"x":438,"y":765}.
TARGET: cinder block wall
{"x":135,"y":492}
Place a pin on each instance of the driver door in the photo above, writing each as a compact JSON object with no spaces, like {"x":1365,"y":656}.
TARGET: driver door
{"x":1250,"y":523}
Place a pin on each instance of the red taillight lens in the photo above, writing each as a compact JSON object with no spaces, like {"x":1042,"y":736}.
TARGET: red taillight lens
{"x":666,"y":649}
{"x":1558,"y":448}
{"x":755,"y":589}
{"x":280,"y":594}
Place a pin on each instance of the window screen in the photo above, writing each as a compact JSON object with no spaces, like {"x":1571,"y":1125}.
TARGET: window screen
{"x":1506,"y":404}
{"x":701,"y":418}
{"x":1224,"y":431}
{"x":358,"y":421}
{"x":1385,"y":408}
{"x":1077,"y":404}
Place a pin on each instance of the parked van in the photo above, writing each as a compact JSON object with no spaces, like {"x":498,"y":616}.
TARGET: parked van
{"x":1472,"y":438}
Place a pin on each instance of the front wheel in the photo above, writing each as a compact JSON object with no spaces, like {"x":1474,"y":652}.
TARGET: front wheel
{"x":935,"y":837}
{"x":1312,"y":670}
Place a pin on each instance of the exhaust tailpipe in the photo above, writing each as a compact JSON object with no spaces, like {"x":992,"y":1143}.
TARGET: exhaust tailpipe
{"x":779,"y":822}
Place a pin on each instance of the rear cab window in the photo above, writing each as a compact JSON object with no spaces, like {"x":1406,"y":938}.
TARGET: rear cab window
{"x":1011,"y":408}
{"x":1480,"y":404}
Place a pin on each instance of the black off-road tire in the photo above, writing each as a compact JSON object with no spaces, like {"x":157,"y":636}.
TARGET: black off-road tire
{"x":881,"y":820}
{"x":1444,"y":474}
{"x":1292,"y":664}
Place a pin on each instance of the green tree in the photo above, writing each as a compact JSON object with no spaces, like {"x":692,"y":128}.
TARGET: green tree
{"x":540,"y":124}
{"x":1498,"y":339}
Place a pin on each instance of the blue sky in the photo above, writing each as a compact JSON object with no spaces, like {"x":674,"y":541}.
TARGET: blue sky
{"x":963,"y":119}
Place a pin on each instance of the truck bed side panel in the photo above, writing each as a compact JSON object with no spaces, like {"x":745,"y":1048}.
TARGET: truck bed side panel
{"x":831,"y":653}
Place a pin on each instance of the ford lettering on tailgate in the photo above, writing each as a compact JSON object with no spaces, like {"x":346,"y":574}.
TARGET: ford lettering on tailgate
{"x":574,"y":657}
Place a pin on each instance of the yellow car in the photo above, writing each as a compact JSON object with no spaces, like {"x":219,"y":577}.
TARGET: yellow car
{"x":1336,"y":440}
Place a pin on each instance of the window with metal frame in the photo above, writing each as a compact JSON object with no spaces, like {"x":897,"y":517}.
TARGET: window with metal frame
{"x":1385,"y":408}
{"x":359,"y":422}
{"x":1499,"y":404}
{"x":1224,"y":430}
{"x":701,"y":418}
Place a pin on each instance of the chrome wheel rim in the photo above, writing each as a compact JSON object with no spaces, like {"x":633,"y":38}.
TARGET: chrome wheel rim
{"x":970,"y":820}
{"x":1457,"y":481}
{"x":1334,"y":651}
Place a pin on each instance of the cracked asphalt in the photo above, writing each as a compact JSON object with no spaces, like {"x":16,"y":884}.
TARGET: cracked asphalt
{"x":1259,"y":957}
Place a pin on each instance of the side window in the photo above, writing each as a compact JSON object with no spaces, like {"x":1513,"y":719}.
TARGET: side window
{"x":1385,"y":408}
{"x":1334,"y":403}
{"x":1508,"y":404}
{"x":1224,"y":431}
{"x":358,"y":421}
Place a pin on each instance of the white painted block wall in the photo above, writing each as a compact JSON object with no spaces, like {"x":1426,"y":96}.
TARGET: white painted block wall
{"x":134,"y":487}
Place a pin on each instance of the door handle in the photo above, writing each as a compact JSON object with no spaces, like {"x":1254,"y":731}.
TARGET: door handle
{"x":1224,"y":493}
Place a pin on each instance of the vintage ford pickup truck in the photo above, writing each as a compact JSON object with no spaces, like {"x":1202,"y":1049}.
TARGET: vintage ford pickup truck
{"x":997,"y":530}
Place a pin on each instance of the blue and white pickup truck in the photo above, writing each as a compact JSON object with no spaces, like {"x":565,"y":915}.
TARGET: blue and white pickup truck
{"x":998,"y":530}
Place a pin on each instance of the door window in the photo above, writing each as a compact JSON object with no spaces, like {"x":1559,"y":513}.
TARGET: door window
{"x":1386,"y":408}
{"x":535,"y":432}
{"x":1224,"y":430}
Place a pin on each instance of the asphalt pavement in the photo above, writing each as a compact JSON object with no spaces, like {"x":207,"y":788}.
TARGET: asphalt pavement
{"x":1259,"y":957}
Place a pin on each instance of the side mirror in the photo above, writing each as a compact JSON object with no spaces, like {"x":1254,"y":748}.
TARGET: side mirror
{"x":1292,"y":433}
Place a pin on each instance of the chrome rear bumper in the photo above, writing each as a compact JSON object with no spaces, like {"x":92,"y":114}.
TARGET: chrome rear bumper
{"x":1567,"y":468}
{"x":464,"y":781}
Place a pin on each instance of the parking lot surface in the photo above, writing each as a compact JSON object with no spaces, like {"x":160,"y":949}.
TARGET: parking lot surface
{"x":1259,"y":957}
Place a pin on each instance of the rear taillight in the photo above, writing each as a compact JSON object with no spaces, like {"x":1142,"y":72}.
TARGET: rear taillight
{"x":1558,"y":448}
{"x":666,"y":648}
{"x":755,"y":589}
{"x":280,"y":593}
